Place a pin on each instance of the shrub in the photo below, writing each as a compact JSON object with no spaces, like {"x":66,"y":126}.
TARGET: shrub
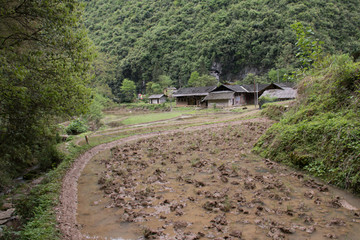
{"x":266,"y":99}
{"x":76,"y":127}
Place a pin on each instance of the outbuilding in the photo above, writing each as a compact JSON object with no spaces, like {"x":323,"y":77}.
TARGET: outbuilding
{"x":281,"y":94}
{"x":157,"y":98}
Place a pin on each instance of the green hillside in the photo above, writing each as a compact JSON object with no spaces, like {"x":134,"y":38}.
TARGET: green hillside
{"x":150,"y":38}
{"x":321,"y":133}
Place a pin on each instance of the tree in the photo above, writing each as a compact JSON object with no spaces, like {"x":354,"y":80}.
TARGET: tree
{"x":309,"y":49}
{"x":207,"y":80}
{"x":104,"y":73}
{"x":277,"y":75}
{"x":165,"y":81}
{"x":128,"y":89}
{"x":153,"y":88}
{"x":251,"y":78}
{"x":45,"y":57}
{"x":201,"y":81}
{"x":193,"y":80}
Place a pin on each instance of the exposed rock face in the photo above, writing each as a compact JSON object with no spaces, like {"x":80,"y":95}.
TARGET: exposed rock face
{"x":216,"y":70}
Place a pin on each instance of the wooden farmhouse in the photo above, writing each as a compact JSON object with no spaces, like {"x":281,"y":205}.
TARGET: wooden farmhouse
{"x":220,"y":99}
{"x":223,"y":95}
{"x":157,"y":98}
{"x":192,"y":96}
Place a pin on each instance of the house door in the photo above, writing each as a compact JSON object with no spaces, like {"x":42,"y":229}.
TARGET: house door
{"x":237,"y":100}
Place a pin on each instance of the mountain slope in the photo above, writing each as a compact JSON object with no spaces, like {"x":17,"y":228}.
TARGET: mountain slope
{"x":150,"y":38}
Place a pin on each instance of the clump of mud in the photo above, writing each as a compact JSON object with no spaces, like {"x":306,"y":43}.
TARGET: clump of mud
{"x":208,"y":185}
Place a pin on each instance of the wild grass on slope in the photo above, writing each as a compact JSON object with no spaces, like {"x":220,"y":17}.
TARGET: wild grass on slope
{"x":321,"y":133}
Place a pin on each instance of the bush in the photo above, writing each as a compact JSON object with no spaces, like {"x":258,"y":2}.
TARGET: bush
{"x":265,"y":99}
{"x":76,"y":127}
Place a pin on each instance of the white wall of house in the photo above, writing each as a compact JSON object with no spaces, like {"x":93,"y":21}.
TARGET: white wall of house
{"x":220,"y":103}
{"x":157,"y":100}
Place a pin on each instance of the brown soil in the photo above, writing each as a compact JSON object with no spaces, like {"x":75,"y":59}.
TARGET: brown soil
{"x":66,"y":211}
{"x":197,"y":183}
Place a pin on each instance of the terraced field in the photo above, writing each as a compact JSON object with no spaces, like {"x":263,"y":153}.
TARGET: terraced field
{"x":194,"y":177}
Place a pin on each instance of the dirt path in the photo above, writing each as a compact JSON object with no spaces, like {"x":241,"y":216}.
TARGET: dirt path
{"x":67,"y":209}
{"x":173,"y":122}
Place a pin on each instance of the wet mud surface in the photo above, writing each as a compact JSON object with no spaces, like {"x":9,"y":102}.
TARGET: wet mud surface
{"x":206,"y":184}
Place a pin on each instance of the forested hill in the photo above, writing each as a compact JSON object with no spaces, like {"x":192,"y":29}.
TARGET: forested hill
{"x":149,"y":38}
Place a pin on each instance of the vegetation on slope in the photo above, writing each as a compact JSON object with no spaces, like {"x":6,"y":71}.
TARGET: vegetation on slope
{"x":321,"y":133}
{"x":146,"y":39}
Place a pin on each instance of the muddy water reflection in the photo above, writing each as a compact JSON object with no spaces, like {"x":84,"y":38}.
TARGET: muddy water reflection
{"x":208,"y":190}
{"x":96,"y":220}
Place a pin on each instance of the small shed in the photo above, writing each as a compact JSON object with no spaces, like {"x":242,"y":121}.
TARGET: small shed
{"x":221,"y":99}
{"x":157,"y":98}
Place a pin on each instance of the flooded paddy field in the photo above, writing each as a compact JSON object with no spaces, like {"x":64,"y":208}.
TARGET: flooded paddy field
{"x":206,"y":184}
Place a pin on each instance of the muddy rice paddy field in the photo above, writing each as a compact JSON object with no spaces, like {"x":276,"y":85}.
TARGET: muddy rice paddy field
{"x":206,"y":184}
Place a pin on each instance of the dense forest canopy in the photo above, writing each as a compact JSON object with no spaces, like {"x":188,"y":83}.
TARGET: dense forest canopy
{"x":45,"y":57}
{"x":151,"y":38}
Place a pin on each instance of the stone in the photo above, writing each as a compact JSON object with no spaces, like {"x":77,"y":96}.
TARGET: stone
{"x":236,"y":234}
{"x":7,"y":205}
{"x":7,"y":214}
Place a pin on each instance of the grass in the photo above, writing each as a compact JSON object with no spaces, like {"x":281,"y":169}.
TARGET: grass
{"x":152,"y":117}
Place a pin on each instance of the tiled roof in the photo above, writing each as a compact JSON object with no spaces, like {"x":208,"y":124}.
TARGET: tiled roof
{"x":258,"y":87}
{"x":286,"y":84}
{"x":194,"y":91}
{"x":236,"y":88}
{"x":285,"y":93}
{"x":157,"y":96}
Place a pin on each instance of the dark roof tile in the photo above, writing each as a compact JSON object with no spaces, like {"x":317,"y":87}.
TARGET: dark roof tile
{"x":194,"y":91}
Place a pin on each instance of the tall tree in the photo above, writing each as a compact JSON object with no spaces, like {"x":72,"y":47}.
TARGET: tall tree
{"x":193,"y":80}
{"x":128,"y":89}
{"x":45,"y":56}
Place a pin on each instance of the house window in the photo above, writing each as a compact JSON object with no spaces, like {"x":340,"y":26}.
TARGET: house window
{"x":181,"y":99}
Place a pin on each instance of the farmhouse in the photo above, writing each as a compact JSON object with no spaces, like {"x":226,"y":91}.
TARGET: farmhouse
{"x":221,"y":98}
{"x":157,"y":98}
{"x":241,"y":94}
{"x":223,"y":95}
{"x":192,"y":96}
